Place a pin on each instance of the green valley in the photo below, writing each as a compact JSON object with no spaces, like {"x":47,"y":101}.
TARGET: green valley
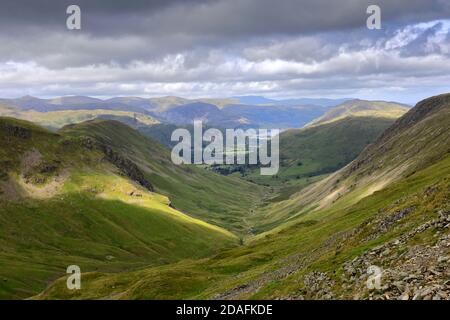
{"x":324,"y":249}
{"x":67,"y":197}
{"x":351,"y":193}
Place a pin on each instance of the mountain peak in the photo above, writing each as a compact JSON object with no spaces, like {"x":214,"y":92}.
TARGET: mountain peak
{"x":426,"y":107}
{"x":28,"y":97}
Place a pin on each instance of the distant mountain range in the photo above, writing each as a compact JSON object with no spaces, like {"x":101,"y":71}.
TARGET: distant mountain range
{"x":258,"y":100}
{"x":231,"y":116}
{"x":244,"y":112}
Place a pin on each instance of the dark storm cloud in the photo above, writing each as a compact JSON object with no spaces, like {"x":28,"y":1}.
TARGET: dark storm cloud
{"x":123,"y":31}
{"x":219,"y":17}
{"x":223,"y":47}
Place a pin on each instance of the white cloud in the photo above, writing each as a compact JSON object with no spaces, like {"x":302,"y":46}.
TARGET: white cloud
{"x":357,"y":63}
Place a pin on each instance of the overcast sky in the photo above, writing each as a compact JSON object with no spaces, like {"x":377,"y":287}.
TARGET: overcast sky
{"x":223,"y":48}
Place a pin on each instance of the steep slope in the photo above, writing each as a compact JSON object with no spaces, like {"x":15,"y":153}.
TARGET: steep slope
{"x":416,"y":140}
{"x":67,"y":199}
{"x":162,"y":132}
{"x":362,"y":108}
{"x":402,"y":229}
{"x":330,"y":146}
{"x":223,"y":201}
{"x":325,"y":250}
{"x":322,"y":149}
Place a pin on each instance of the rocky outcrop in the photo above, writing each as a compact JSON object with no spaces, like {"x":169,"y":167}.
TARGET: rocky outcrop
{"x":15,"y":131}
{"x":129,"y":168}
{"x":318,"y":285}
{"x":408,"y":271}
{"x":385,"y":223}
{"x":126,"y":166}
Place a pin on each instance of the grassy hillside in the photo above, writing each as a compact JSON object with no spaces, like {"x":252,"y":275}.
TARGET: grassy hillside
{"x":110,"y":231}
{"x":389,"y":207}
{"x":58,"y":119}
{"x":326,"y":148}
{"x":73,"y":198}
{"x":324,"y":250}
{"x":223,"y":201}
{"x":362,"y":108}
{"x":310,"y":258}
{"x":310,"y":154}
{"x":414,"y":141}
{"x":162,"y":133}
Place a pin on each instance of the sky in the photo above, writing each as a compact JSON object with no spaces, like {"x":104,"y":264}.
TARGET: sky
{"x":223,"y":48}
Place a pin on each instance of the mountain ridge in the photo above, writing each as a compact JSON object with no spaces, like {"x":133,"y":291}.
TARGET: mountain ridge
{"x":361,"y":108}
{"x":101,"y":185}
